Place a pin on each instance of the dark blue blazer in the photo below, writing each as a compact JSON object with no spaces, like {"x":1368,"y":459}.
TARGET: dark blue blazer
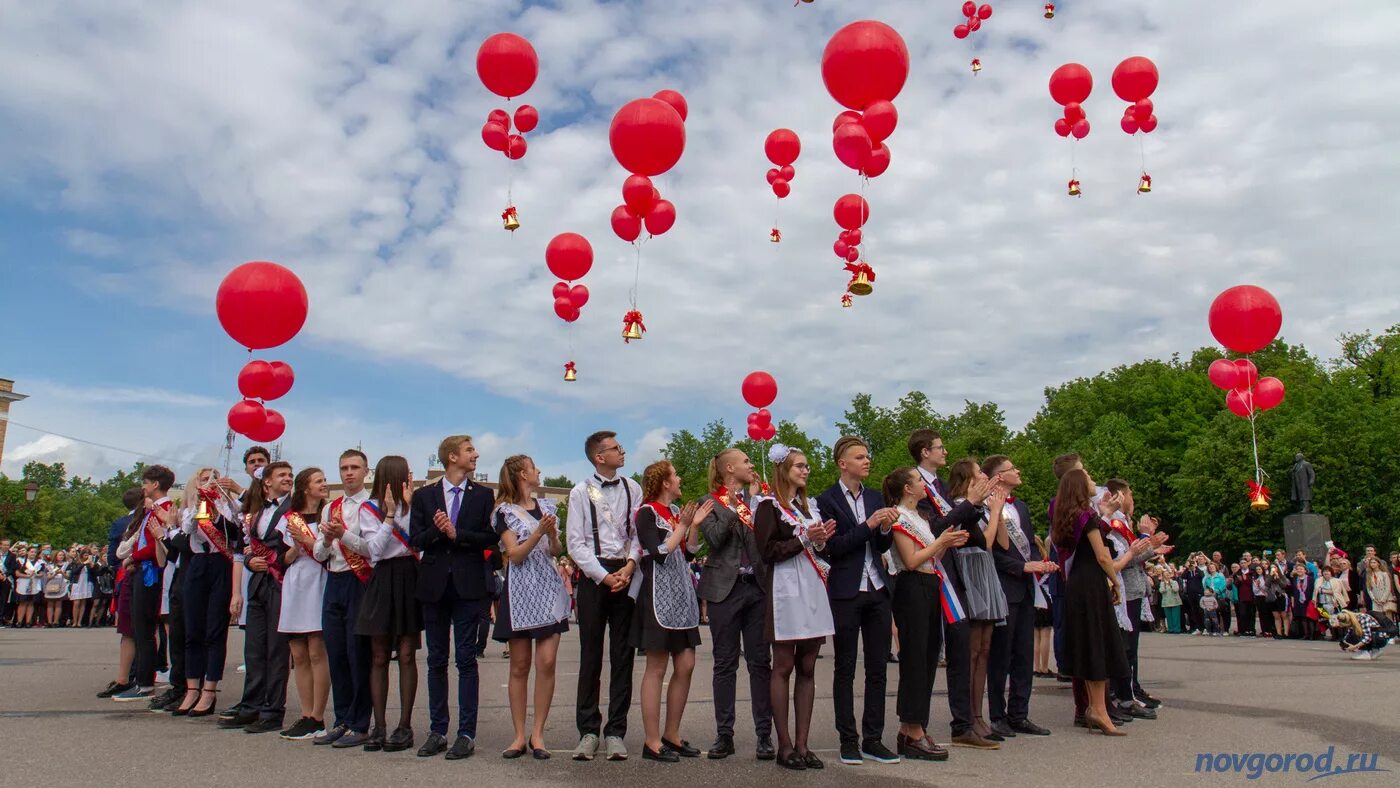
{"x":963,"y":515}
{"x":463,"y":560}
{"x":1015,"y":582}
{"x":846,"y":548}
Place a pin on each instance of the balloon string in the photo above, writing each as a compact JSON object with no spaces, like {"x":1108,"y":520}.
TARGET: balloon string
{"x":865,"y":234}
{"x":1073,"y":165}
{"x":636,"y":274}
{"x":1142,"y":150}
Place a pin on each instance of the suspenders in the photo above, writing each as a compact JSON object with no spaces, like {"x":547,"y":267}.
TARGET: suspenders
{"x":593,"y":513}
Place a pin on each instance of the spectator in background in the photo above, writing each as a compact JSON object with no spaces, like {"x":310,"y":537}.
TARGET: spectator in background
{"x":1193,"y":588}
{"x":1278,"y":586}
{"x":1300,"y":598}
{"x":56,"y":588}
{"x":1210,"y":611}
{"x":1171,"y":599}
{"x":1380,"y":587}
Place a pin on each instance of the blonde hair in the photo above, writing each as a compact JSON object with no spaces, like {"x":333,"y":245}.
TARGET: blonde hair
{"x":783,"y":489}
{"x":508,"y":486}
{"x":716,"y":473}
{"x":449,"y":445}
{"x":1346,"y":618}
{"x":844,"y":444}
{"x":189,"y":495}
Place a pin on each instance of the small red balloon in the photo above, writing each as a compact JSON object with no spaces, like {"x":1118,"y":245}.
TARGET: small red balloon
{"x":627,"y":226}
{"x":853,"y":237}
{"x":852,"y":254}
{"x":1074,"y":111}
{"x":282,"y":380}
{"x":515,"y":147}
{"x":755,"y":432}
{"x":773,"y":174}
{"x":1080,"y":129}
{"x":245,"y":416}
{"x":984,"y":11}
{"x":759,"y":389}
{"x":840,"y":248}
{"x":526,"y":118}
{"x":565,"y":309}
{"x":495,"y":136}
{"x":853,"y":145}
{"x":1149,"y":125}
{"x":254,"y":379}
{"x":768,"y":432}
{"x":661,"y":218}
{"x":1142,"y":110}
{"x":1246,"y":374}
{"x":1062,"y":127}
{"x":1268,"y":393}
{"x":676,"y":100}
{"x":851,"y":211}
{"x":561,"y":290}
{"x":878,"y":162}
{"x":879,"y":120}
{"x":782,"y":146}
{"x":848,"y":116}
{"x":974,"y":24}
{"x":638,"y":194}
{"x":787,"y":172}
{"x":969,"y":8}
{"x":507,"y":64}
{"x":1223,"y":374}
{"x":569,"y":256}
{"x":765,"y":416}
{"x":960,"y":31}
{"x":781,"y":188}
{"x":1245,"y":318}
{"x":1128,"y":125}
{"x":499,"y":117}
{"x":1240,"y":403}
{"x":270,"y":430}
{"x":578,"y":296}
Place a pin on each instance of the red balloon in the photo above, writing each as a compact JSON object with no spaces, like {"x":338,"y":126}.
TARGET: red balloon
{"x":1071,"y":83}
{"x":578,"y":296}
{"x":969,"y":8}
{"x":851,"y":211}
{"x":638,"y":194}
{"x":960,"y":31}
{"x":254,"y":379}
{"x":847,"y":116}
{"x":768,"y":432}
{"x":1149,"y":125}
{"x":261,"y":305}
{"x":781,"y":188}
{"x":1080,"y":129}
{"x":627,"y":226}
{"x":1240,"y":403}
{"x":852,"y":143}
{"x":647,"y":136}
{"x":1268,"y":393}
{"x":526,"y":118}
{"x":270,"y":430}
{"x":1135,"y":79}
{"x":1142,"y":110}
{"x":759,"y":389}
{"x":864,"y":62}
{"x":1246,"y":374}
{"x":879,"y":120}
{"x":1128,"y":125}
{"x":569,"y":256}
{"x":494,"y":135}
{"x":499,"y":116}
{"x":1245,"y":318}
{"x":507,"y":64}
{"x":1074,"y":111}
{"x":676,"y":100}
{"x":755,"y":432}
{"x":840,"y":248}
{"x":282,"y":380}
{"x":984,"y":11}
{"x":853,"y":237}
{"x":561,"y":290}
{"x":1062,"y":127}
{"x":774,"y":174}
{"x":852,"y":254}
{"x":765,"y":417}
{"x":782,"y":146}
{"x":246,"y":416}
{"x":753,"y":419}
{"x":565,"y":309}
{"x":661,"y":218}
{"x":515,"y":147}
{"x":1223,"y":374}
{"x":786,"y":172}
{"x":878,"y":162}
{"x":974,"y":24}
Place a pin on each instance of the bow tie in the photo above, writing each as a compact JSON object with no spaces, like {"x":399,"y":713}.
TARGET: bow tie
{"x":612,"y":483}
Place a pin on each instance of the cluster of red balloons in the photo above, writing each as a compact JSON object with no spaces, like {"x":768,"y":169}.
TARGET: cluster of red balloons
{"x":647,"y":137}
{"x":1245,"y":318}
{"x":759,"y":390}
{"x":1070,"y":85}
{"x":497,"y":131}
{"x":1134,"y":80}
{"x":508,"y":66}
{"x":864,"y":67}
{"x":261,"y":305}
{"x":975,"y":15}
{"x":1245,"y":390}
{"x":569,"y":257}
{"x":782,"y":148}
{"x":641,"y":205}
{"x":851,"y":213}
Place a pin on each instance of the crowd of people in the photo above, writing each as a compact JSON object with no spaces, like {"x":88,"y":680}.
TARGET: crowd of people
{"x":945,"y":571}
{"x":41,"y":587}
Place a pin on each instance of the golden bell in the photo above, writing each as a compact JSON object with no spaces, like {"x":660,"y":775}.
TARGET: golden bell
{"x":1258,"y":501}
{"x":1074,"y":189}
{"x":976,"y":65}
{"x":846,"y":301}
{"x":203,"y":514}
{"x":775,"y":236}
{"x":1145,"y":185}
{"x":1049,"y":10}
{"x":632,"y":331}
{"x":569,"y":374}
{"x":511,"y":222}
{"x":860,"y":285}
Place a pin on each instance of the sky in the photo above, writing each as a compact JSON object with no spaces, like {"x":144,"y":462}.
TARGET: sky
{"x":147,"y":149}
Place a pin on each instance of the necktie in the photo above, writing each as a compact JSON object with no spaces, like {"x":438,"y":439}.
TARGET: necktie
{"x":456,"y":504}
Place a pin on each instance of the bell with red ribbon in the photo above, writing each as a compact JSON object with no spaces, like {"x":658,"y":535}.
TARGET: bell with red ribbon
{"x":510,"y":219}
{"x":976,"y":65}
{"x":632,"y":326}
{"x":1145,"y":184}
{"x":1258,"y":496}
{"x":862,"y":279}
{"x":776,"y":236}
{"x":570,"y":372}
{"x":1074,"y":187}
{"x":1049,"y":10}
{"x":846,"y":301}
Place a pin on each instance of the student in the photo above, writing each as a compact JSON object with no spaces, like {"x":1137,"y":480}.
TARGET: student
{"x":343,"y":549}
{"x":303,"y":590}
{"x":214,"y":535}
{"x":144,"y":546}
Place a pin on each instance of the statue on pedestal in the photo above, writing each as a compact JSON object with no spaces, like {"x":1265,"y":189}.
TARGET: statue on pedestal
{"x":1303,"y":478}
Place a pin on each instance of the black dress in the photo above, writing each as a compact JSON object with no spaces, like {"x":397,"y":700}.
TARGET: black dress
{"x":1093,"y":639}
{"x":647,"y":632}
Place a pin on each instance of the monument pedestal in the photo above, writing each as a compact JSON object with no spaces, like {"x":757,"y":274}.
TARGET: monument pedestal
{"x":1309,"y":532}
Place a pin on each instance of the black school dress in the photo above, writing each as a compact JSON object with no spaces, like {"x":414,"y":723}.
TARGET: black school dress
{"x":1093,"y":639}
{"x":647,"y":632}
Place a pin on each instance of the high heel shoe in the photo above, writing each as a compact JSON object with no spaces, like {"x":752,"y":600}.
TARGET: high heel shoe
{"x":1095,"y":724}
{"x":182,"y":710}
{"x":196,"y":712}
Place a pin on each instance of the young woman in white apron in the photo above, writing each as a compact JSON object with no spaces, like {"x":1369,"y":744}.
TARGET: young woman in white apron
{"x":666,"y":624}
{"x":80,"y":588}
{"x":789,"y":532}
{"x":533,"y":610}
{"x":303,"y":588}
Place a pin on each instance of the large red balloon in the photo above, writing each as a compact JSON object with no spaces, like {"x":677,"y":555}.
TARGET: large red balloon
{"x":565,"y":309}
{"x":627,"y":226}
{"x":282,"y":380}
{"x":1071,"y":83}
{"x":578,"y":296}
{"x":569,"y":256}
{"x":254,"y":379}
{"x":246,"y":415}
{"x":647,"y":136}
{"x":878,"y":162}
{"x":1246,"y":374}
{"x":1245,"y":318}
{"x":1240,"y":403}
{"x":864,"y":62}
{"x":1268,"y":393}
{"x":526,"y":118}
{"x":270,"y":430}
{"x":638,"y":194}
{"x":507,"y":64}
{"x":853,"y":144}
{"x":1224,"y":374}
{"x":261,"y":305}
{"x":759,"y":389}
{"x":495,"y":136}
{"x":661,"y":218}
{"x":1135,"y":79}
{"x":782,"y":146}
{"x":879,"y":120}
{"x":851,"y":211}
{"x":676,"y":100}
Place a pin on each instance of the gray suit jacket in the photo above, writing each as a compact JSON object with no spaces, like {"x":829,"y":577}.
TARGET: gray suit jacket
{"x":726,"y":534}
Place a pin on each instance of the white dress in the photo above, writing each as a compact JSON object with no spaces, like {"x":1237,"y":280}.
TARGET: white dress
{"x":82,"y":587}
{"x":303,"y":586}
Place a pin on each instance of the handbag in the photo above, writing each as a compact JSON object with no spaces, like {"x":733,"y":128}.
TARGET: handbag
{"x":1311,"y":611}
{"x":55,"y":587}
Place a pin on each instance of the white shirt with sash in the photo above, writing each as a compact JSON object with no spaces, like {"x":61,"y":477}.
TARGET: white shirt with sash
{"x":615,"y":501}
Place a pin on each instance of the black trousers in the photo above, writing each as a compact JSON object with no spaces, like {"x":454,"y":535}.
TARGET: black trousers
{"x":208,"y":588}
{"x":1125,"y":688}
{"x":145,"y":617}
{"x":176,"y":624}
{"x":6,"y":606}
{"x":740,"y":615}
{"x":957,"y":649}
{"x":347,"y":653}
{"x":265,"y":651}
{"x":1224,"y":614}
{"x":865,"y":617}
{"x":1244,"y":611}
{"x":1191,"y":612}
{"x":918,"y":612}
{"x":1057,"y":619}
{"x":1012,"y":656}
{"x":601,"y":610}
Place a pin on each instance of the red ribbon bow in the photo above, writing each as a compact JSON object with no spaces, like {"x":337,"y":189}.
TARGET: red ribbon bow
{"x":1256,"y":489}
{"x":569,"y":366}
{"x":860,"y":268}
{"x":776,"y":234}
{"x":633,"y":317}
{"x":508,"y":212}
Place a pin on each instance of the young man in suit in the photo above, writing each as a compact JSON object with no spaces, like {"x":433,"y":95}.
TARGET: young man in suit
{"x":860,"y":599}
{"x":732,"y":584}
{"x":1013,"y":645}
{"x":450,"y":528}
{"x":927,"y":450}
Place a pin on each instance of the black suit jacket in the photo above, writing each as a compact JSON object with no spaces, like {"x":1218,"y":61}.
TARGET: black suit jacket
{"x":1015,"y":582}
{"x":963,"y":515}
{"x":463,"y":560}
{"x":272,"y":539}
{"x":845,"y":550}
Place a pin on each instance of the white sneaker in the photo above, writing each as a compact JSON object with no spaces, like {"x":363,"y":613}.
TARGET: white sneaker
{"x":587,"y":748}
{"x":1362,"y":655}
{"x":242,"y":668}
{"x":617,"y":751}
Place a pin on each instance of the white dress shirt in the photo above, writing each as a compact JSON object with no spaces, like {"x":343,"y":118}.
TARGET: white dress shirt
{"x":328,"y":550}
{"x":380,"y":537}
{"x":617,"y":535}
{"x":870,"y":579}
{"x":199,"y":543}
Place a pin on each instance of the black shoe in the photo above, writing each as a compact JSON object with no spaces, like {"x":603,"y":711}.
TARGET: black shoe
{"x":681,"y":748}
{"x":1149,"y":701}
{"x":893,"y":657}
{"x":666,"y":754}
{"x":1000,"y":728}
{"x":298,"y":730}
{"x":1063,"y":679}
{"x":167,"y":700}
{"x":850,"y":754}
{"x":924,"y":749}
{"x":238,"y":721}
{"x":538,"y":753}
{"x":263,"y":725}
{"x":436,"y":744}
{"x":875,"y":750}
{"x":992,"y":735}
{"x":374,"y":740}
{"x":331,"y":736}
{"x":113,"y":688}
{"x":232,"y":712}
{"x":1133,"y":710}
{"x":765,"y":749}
{"x":1028,"y":727}
{"x":1117,"y":716}
{"x":793,"y":761}
{"x":722,"y":748}
{"x":400,"y":739}
{"x":811,"y":761}
{"x":463,"y":747}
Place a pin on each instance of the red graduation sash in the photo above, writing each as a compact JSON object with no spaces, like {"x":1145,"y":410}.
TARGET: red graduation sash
{"x":256,"y":548}
{"x":735,"y":504}
{"x":358,"y":563}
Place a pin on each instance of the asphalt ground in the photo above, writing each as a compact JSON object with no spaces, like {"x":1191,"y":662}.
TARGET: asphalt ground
{"x":1223,"y":697}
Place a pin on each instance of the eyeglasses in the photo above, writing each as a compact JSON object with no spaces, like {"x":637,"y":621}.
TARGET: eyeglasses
{"x":801,"y":466}
{"x":614,"y":447}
